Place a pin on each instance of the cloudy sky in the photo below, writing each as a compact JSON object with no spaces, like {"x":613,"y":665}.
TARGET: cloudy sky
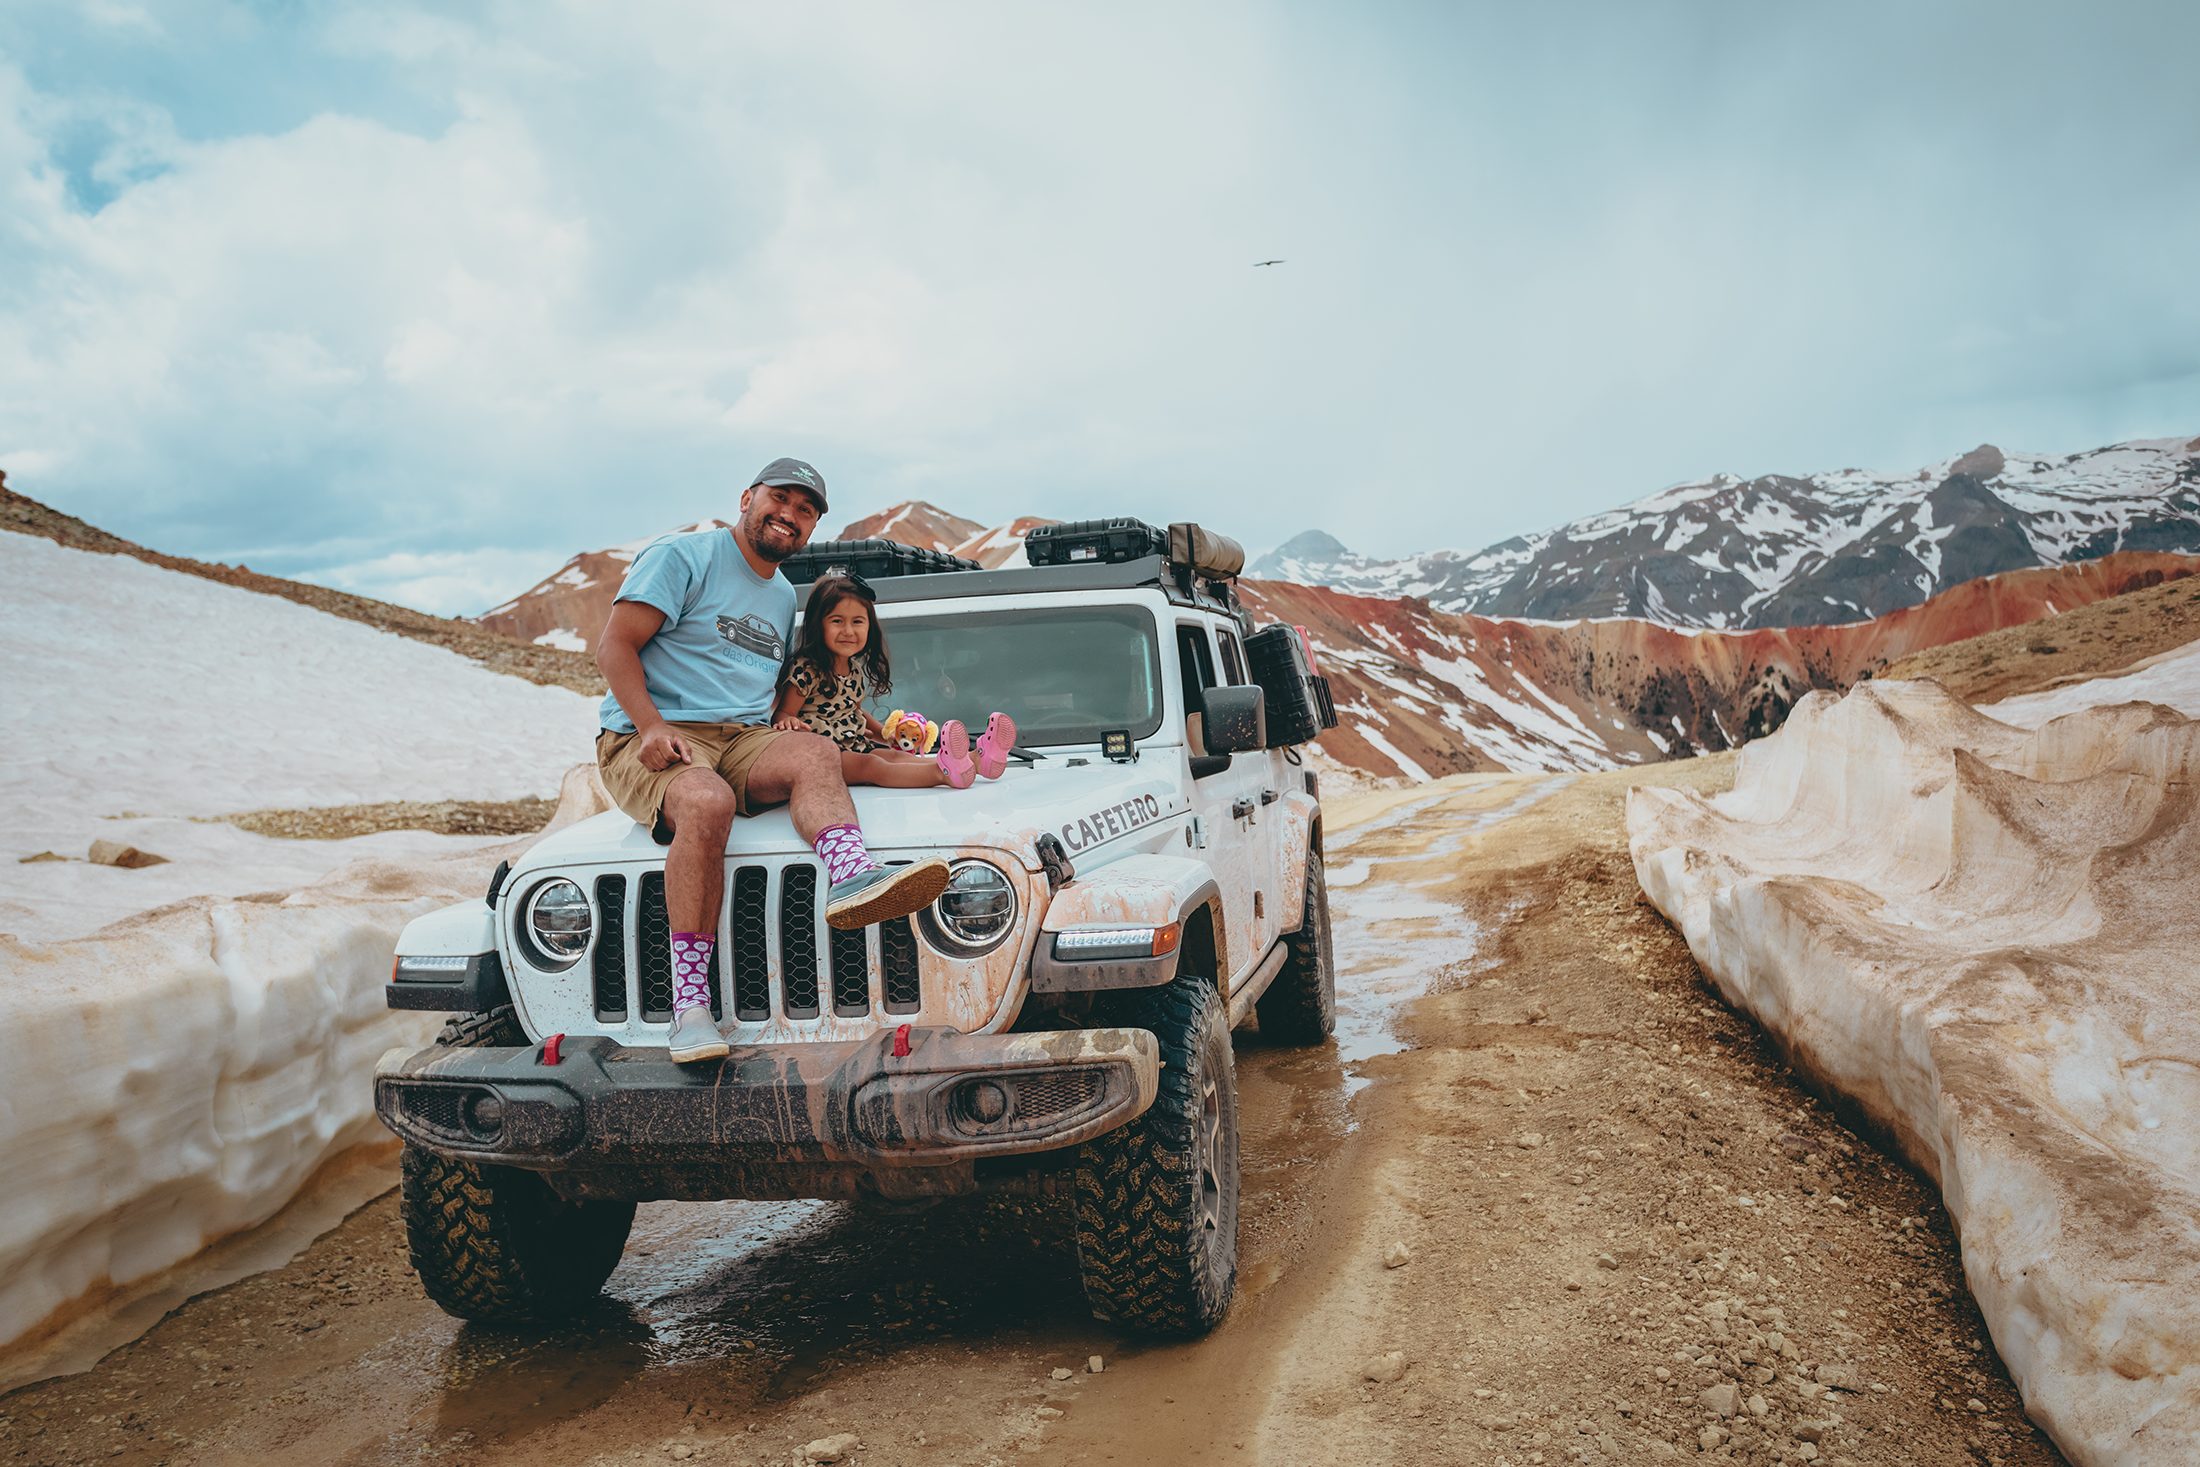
{"x":419,"y":299}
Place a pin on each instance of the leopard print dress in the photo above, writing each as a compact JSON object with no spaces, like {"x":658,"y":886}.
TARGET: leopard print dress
{"x":833,"y":704}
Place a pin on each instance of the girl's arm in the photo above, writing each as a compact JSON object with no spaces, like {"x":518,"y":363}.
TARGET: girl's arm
{"x":785,"y":711}
{"x":873,"y":729}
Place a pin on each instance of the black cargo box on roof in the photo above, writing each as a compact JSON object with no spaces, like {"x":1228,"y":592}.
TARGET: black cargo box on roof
{"x":873,"y":560}
{"x":1109,"y":542}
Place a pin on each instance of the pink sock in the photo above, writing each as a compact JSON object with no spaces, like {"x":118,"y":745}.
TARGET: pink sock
{"x":691,"y":965}
{"x":842,"y":850}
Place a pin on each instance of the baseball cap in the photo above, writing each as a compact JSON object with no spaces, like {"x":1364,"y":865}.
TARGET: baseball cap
{"x":793,"y":471}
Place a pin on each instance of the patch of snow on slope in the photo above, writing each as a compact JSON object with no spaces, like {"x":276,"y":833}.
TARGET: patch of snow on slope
{"x":2172,"y":679}
{"x":1410,"y":769}
{"x":141,"y":691}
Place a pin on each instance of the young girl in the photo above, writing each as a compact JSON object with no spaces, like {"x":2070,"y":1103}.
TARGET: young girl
{"x":840,"y":660}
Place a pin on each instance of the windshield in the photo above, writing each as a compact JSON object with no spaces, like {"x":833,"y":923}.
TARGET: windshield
{"x":1065,"y":674}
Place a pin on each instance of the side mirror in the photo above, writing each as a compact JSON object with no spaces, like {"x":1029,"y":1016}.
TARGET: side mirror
{"x":1236,"y":719}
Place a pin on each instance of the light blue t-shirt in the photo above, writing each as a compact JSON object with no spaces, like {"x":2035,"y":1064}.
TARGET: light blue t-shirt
{"x":717,"y":657}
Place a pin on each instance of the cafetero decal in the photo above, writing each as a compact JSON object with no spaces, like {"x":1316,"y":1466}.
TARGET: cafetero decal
{"x":1107,"y":824}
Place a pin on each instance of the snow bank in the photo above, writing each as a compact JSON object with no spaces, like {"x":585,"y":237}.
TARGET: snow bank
{"x":2171,"y":679}
{"x":1984,"y":936}
{"x":133,"y":690}
{"x":174,"y":1080}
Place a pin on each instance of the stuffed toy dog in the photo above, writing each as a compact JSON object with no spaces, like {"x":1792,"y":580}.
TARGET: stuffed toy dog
{"x":910,"y":732}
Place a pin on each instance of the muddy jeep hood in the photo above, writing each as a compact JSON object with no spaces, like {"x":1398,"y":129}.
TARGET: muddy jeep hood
{"x":1097,"y":811}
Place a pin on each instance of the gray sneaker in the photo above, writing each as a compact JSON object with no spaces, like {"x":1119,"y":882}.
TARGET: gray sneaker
{"x":695,"y":1037}
{"x":883,"y":894}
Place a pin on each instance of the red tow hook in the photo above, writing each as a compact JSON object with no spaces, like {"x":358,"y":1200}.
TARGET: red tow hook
{"x":901,"y":1042}
{"x":550,"y":1048}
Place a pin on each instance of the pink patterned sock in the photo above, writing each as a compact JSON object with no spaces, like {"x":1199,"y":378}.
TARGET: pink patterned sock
{"x":691,"y":953}
{"x":842,"y":850}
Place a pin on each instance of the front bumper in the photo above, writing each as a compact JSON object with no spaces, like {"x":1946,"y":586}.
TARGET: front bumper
{"x":771,"y":1109}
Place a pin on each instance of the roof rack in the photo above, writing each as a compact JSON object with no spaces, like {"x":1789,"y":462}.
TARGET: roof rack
{"x":872,"y":560}
{"x":1194,"y":567}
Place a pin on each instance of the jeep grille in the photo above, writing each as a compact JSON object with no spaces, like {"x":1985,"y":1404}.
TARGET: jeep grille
{"x":636,"y":976}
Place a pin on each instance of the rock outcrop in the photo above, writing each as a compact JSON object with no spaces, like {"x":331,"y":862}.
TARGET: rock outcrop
{"x":1981,"y":937}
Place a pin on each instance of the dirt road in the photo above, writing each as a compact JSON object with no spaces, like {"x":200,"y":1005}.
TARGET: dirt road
{"x":1626,"y":1236}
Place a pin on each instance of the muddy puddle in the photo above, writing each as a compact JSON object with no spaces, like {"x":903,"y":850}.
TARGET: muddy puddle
{"x":1398,"y":937}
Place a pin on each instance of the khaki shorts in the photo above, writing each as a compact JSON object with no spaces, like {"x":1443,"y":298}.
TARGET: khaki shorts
{"x":730,"y":748}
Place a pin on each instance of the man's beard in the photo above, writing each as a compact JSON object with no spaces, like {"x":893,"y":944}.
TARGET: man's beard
{"x":754,"y":528}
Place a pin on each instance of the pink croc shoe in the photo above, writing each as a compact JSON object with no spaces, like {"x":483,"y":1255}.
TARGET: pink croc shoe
{"x":993,"y":745}
{"x":954,"y":755}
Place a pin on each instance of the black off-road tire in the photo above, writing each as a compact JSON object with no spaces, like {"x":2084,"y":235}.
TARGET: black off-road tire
{"x":1157,"y":1201}
{"x":1300,"y":1006}
{"x":497,"y":1029}
{"x":495,"y":1244}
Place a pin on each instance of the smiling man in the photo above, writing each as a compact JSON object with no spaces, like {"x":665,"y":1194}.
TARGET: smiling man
{"x":692,"y":653}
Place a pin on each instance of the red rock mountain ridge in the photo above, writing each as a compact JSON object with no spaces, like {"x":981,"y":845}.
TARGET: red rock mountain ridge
{"x":914,"y":522}
{"x":1425,"y":693}
{"x":568,"y":609}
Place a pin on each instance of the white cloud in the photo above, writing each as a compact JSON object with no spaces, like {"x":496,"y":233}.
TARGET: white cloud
{"x":1001,"y":256}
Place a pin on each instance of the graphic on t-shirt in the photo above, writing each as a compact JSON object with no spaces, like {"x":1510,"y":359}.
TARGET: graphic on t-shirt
{"x":752,"y":633}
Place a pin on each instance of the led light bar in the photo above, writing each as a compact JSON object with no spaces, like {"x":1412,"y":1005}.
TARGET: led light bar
{"x":1100,"y":944}
{"x":439,"y":964}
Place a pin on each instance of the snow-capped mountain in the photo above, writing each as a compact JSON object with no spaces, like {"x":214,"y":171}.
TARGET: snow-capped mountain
{"x":1780,"y":551}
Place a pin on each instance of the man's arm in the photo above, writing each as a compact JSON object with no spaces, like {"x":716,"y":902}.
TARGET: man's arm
{"x":619,"y":656}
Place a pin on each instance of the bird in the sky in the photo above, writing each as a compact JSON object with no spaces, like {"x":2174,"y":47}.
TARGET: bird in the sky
{"x":1258,"y":263}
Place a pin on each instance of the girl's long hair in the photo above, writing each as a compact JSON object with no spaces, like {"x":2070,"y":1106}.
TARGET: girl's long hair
{"x":809,"y":645}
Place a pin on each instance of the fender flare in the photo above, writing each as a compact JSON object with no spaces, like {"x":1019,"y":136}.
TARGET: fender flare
{"x":1301,"y":815}
{"x":1139,"y":890}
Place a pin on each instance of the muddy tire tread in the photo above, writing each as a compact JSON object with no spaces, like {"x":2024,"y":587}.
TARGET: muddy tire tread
{"x":1136,"y":1206}
{"x":1300,"y":1006}
{"x":495,"y":1244}
{"x":499,"y":1028}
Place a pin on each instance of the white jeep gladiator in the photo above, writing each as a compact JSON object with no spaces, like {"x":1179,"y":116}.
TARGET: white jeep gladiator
{"x":1145,"y":876}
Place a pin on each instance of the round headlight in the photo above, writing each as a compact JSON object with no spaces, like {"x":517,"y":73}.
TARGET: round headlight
{"x":976,"y":913}
{"x":559,"y":921}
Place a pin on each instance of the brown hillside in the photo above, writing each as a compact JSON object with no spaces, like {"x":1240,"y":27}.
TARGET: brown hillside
{"x":2083,"y":642}
{"x":500,"y":653}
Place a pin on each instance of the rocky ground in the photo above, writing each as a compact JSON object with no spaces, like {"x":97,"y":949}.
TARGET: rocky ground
{"x":444,"y":817}
{"x":1546,"y":1200}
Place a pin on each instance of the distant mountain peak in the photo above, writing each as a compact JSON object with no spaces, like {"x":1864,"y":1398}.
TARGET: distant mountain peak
{"x":1982,"y":462}
{"x":1779,"y":550}
{"x":1311,"y":545}
{"x":914,"y":522}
